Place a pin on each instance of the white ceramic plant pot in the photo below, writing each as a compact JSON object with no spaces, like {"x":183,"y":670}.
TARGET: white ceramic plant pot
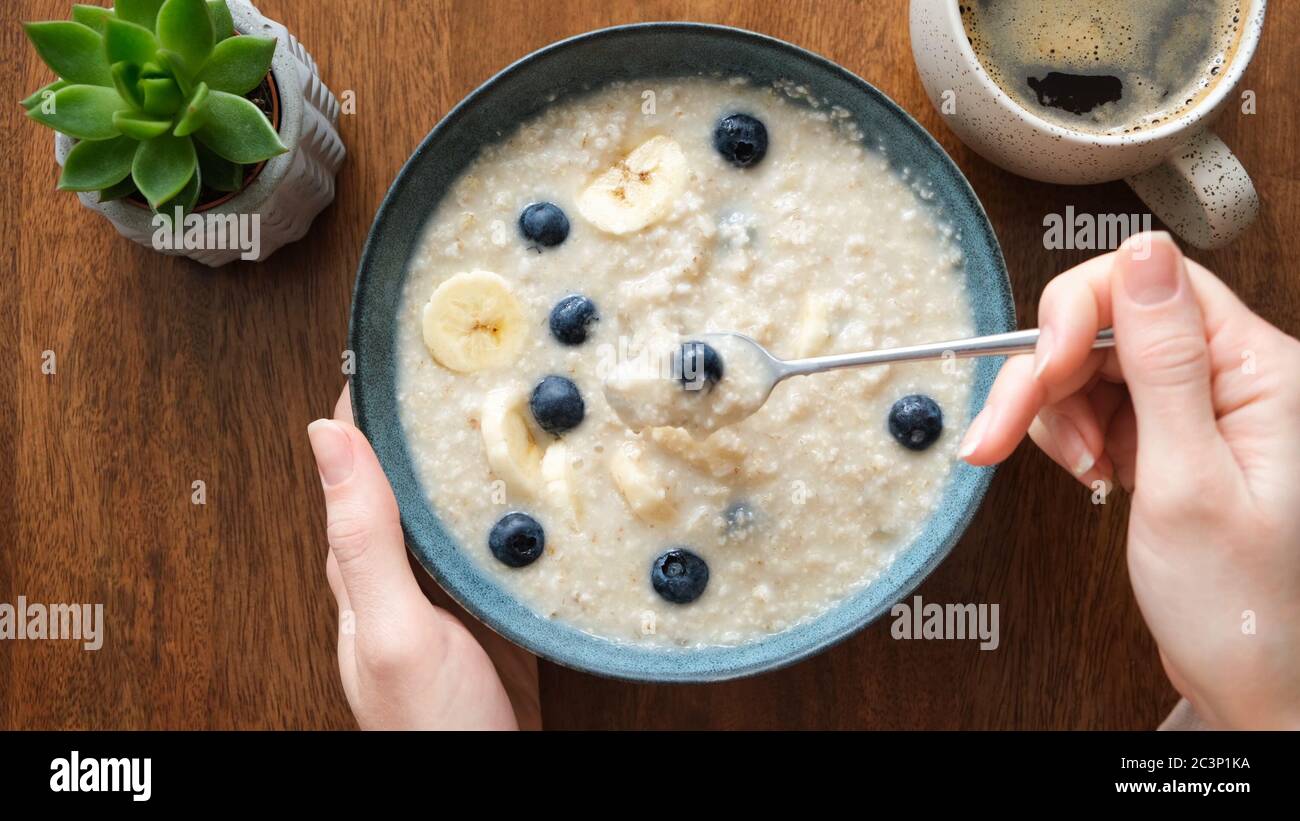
{"x":292,"y":188}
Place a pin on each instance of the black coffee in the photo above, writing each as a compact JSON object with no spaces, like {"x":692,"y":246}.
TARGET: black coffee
{"x":1108,"y":66}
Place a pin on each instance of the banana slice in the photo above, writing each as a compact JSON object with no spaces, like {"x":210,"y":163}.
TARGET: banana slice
{"x":558,"y":482}
{"x":644,"y":492}
{"x":473,"y":321}
{"x":512,"y":450}
{"x":638,"y":191}
{"x":814,"y":325}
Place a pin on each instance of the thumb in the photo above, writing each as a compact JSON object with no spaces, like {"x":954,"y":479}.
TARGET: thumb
{"x":364,"y":529}
{"x":1161,"y":343}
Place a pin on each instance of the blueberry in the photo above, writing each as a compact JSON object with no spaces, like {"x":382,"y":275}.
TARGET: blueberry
{"x":679,"y":576}
{"x":916,"y":422}
{"x":741,"y":140}
{"x":739,"y":518}
{"x":570,"y":318}
{"x":556,"y":405}
{"x":699,"y":365}
{"x":544,"y":223}
{"x":516,"y":539}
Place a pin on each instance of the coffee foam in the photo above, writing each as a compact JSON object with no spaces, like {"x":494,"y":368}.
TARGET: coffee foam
{"x":1167,"y":53}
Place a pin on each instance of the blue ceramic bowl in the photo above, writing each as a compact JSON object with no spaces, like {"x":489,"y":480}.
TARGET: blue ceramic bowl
{"x":495,"y":109}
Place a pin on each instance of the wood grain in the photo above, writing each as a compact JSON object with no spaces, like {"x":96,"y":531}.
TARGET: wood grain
{"x":219,"y":615}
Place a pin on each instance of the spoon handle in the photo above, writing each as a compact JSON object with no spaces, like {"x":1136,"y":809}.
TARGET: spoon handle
{"x":1016,"y":342}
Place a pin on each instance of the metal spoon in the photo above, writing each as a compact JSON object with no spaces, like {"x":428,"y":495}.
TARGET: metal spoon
{"x":1016,"y":342}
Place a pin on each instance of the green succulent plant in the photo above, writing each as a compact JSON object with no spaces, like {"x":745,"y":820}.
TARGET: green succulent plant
{"x":154,"y":93}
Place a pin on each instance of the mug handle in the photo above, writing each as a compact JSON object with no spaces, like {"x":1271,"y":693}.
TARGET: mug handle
{"x":1201,"y":192}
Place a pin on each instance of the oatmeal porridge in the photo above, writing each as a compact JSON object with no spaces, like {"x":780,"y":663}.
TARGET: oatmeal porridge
{"x":588,"y":238}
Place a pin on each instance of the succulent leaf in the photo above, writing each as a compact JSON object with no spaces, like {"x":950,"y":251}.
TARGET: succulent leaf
{"x":187,"y":198}
{"x":74,"y":52}
{"x":237,"y":130}
{"x":116,"y":192}
{"x":141,"y":12}
{"x":238,"y":65}
{"x":185,"y":28}
{"x":84,"y":112}
{"x":223,"y":25}
{"x":175,"y":68}
{"x":139,"y":127}
{"x":162,"y":167}
{"x":127,"y":42}
{"x":194,"y":114}
{"x":162,"y":97}
{"x":38,"y":96}
{"x":126,"y":79}
{"x":95,"y":164}
{"x":219,"y":173}
{"x":92,"y":16}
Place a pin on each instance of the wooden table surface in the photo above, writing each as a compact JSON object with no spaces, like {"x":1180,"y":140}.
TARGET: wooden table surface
{"x":218,"y":615}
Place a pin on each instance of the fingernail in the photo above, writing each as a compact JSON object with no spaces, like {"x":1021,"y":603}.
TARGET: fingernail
{"x":1042,"y":351}
{"x":1073,"y":449}
{"x":333,"y":451}
{"x":974,"y":434}
{"x":1150,"y":268}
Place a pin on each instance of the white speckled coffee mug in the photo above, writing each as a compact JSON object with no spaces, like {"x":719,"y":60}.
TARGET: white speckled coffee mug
{"x":1184,"y":173}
